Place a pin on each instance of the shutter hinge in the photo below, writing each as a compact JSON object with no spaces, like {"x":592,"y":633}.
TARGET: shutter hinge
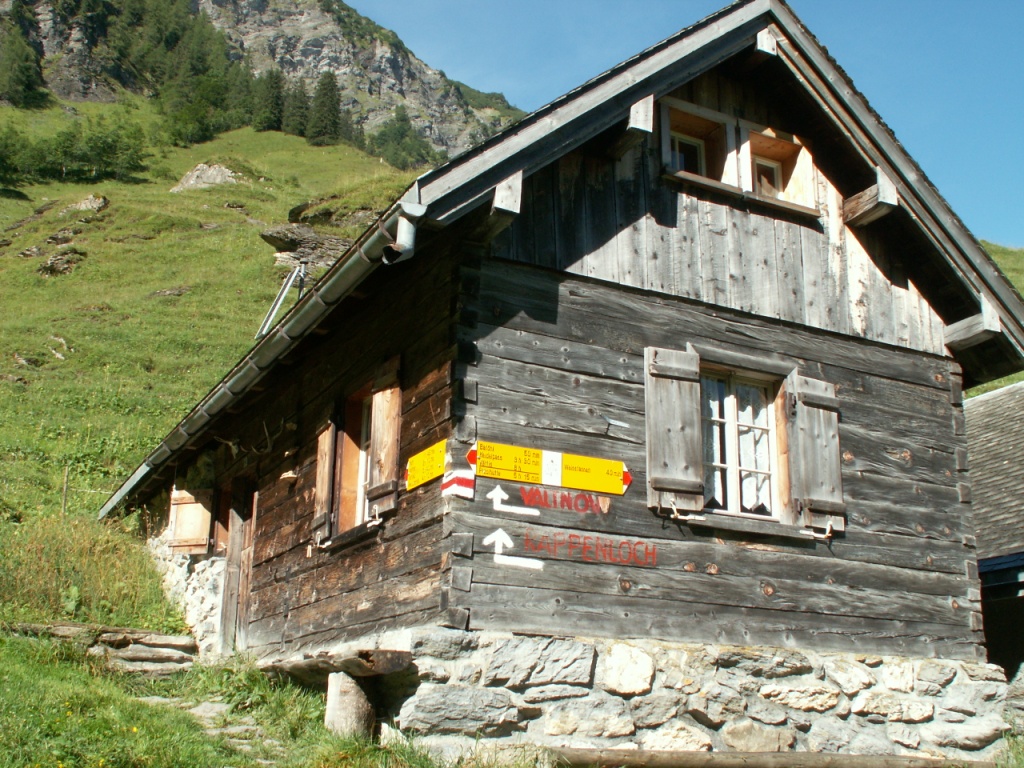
{"x":685,"y":517}
{"x":826,"y":536}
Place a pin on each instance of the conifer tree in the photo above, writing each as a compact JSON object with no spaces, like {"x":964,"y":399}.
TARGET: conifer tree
{"x":324,"y":126}
{"x":20,"y":75}
{"x":268,"y":101}
{"x":296,"y":109}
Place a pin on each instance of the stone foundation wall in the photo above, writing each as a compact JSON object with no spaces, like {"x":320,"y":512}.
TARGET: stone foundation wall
{"x":196,"y":585}
{"x":499,"y":689}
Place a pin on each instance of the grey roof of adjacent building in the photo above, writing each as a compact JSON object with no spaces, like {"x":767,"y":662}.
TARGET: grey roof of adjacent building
{"x":995,"y":438}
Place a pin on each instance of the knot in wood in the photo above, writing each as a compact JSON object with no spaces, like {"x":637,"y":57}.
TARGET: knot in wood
{"x":625,"y":584}
{"x":690,"y":567}
{"x":768,"y":589}
{"x":712,"y":568}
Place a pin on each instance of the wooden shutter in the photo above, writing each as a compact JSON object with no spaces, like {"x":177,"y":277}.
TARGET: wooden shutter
{"x":815,"y":466}
{"x":675,"y":475}
{"x":385,"y":421}
{"x":323,"y":499}
{"x":191,"y":516}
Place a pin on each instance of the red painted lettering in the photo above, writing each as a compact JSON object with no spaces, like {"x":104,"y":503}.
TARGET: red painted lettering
{"x":574,"y":543}
{"x":566,"y":500}
{"x":588,"y":549}
{"x":559,"y":539}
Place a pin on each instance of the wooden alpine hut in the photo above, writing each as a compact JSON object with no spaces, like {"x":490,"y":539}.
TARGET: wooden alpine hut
{"x":639,"y":425}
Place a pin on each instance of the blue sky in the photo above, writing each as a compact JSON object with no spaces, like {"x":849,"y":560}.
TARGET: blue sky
{"x":946,"y":75}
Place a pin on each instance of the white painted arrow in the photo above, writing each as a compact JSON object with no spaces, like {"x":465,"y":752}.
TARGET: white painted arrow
{"x":499,"y":497}
{"x":501,"y":540}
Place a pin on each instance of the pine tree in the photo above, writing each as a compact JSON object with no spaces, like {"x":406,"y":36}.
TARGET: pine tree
{"x":324,"y":126}
{"x":296,"y":109}
{"x":20,"y":75}
{"x":268,"y":101}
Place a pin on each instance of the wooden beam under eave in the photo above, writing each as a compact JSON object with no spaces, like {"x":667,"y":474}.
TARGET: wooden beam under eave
{"x":973,"y":330}
{"x":873,"y":203}
{"x":640,"y":126}
{"x":505,"y":207}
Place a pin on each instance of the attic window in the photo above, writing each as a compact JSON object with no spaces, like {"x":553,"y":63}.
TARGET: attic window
{"x":697,"y":141}
{"x":707,"y":149}
{"x":780,"y":166}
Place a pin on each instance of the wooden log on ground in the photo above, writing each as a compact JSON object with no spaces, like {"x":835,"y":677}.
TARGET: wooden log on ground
{"x":675,"y":759}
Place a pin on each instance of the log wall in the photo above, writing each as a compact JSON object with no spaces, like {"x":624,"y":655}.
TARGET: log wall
{"x":553,"y":357}
{"x":302,"y":596}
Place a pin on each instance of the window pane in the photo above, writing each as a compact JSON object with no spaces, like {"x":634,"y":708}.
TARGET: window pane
{"x":756,"y":493}
{"x":713,"y":394}
{"x":752,"y":404}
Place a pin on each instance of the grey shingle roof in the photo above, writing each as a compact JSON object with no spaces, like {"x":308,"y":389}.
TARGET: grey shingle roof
{"x":995,"y":438}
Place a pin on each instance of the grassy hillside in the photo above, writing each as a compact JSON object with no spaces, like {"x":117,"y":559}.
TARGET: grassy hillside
{"x":1011,"y":261}
{"x":97,"y":364}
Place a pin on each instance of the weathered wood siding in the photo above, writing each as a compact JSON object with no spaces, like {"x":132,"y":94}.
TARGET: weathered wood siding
{"x":619,"y":221}
{"x":301,"y":595}
{"x":551,"y":357}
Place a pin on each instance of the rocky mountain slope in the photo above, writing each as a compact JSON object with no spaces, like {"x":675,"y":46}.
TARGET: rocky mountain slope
{"x":303,"y":38}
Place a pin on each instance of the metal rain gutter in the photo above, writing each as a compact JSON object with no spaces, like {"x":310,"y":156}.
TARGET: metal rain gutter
{"x":376,"y":246}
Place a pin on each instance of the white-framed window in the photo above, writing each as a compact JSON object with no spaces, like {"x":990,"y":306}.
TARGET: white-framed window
{"x":687,"y":154}
{"x":740,"y":445}
{"x":767,"y":177}
{"x":698,"y":141}
{"x":734,"y":435}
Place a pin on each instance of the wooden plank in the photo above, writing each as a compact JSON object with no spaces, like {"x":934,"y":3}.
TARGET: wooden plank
{"x":789,"y":303}
{"x":526,"y":610}
{"x":709,"y":590}
{"x":802,"y":561}
{"x":631,"y":185}
{"x":560,"y":354}
{"x":714,"y":235}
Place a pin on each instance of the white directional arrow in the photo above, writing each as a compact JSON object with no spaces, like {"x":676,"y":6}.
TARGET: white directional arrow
{"x":502,"y":541}
{"x":499,"y":497}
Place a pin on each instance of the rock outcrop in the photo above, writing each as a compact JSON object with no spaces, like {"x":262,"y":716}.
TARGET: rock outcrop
{"x":375,"y":73}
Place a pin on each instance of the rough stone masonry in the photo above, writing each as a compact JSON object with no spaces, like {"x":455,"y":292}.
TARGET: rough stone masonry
{"x":510,"y":690}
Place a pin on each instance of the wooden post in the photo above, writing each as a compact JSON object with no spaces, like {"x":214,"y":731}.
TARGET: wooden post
{"x":64,"y":491}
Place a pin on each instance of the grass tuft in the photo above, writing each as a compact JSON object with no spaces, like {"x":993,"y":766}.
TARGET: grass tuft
{"x":80,"y":569}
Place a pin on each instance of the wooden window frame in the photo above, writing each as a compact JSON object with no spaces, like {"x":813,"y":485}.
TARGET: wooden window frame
{"x":712,"y":131}
{"x":357,"y":461}
{"x":807,"y":479}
